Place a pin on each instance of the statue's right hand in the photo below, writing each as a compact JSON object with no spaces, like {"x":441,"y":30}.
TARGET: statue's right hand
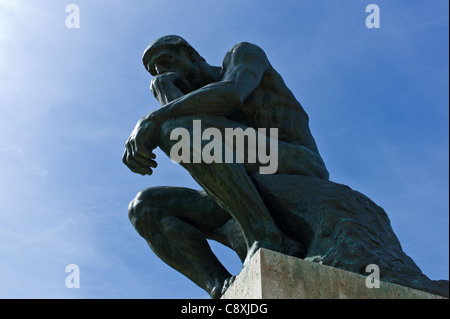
{"x":138,"y":155}
{"x":170,"y":86}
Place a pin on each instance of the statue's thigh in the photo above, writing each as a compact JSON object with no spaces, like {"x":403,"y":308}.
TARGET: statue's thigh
{"x":192,"y":206}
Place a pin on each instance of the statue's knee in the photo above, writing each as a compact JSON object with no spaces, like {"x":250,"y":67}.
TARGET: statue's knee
{"x":143,"y":212}
{"x":133,"y":211}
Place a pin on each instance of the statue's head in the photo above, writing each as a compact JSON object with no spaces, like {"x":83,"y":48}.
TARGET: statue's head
{"x":167,"y":53}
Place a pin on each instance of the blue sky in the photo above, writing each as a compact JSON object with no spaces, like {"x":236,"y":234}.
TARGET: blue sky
{"x":377,"y":101}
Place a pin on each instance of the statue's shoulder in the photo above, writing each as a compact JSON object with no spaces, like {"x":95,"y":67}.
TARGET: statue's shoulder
{"x":245,"y":46}
{"x":244,"y":52}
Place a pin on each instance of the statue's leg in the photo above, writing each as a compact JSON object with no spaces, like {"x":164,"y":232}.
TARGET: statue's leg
{"x":176,"y":222}
{"x":230,"y":186}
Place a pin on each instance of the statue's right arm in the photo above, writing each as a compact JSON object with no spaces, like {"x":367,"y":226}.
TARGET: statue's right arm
{"x":164,"y":89}
{"x":244,"y":67}
{"x":138,"y":155}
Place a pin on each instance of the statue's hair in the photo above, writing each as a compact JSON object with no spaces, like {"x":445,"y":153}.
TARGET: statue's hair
{"x":173,"y":42}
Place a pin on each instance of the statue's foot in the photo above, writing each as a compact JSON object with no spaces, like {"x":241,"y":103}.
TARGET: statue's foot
{"x":218,"y":291}
{"x":281,"y":244}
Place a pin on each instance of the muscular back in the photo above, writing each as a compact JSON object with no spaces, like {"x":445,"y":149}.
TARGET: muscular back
{"x":272,"y":105}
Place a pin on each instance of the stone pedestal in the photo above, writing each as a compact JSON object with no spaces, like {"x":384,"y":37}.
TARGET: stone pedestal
{"x":271,"y":275}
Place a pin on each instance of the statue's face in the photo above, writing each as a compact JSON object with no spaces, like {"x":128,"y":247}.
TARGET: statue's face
{"x":167,"y":60}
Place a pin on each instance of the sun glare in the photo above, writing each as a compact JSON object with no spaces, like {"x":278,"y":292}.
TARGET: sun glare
{"x":8,"y":8}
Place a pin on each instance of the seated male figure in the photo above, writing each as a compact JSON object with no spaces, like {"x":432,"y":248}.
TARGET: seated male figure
{"x":244,"y":92}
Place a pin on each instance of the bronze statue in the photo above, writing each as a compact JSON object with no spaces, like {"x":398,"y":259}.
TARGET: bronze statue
{"x":237,"y":206}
